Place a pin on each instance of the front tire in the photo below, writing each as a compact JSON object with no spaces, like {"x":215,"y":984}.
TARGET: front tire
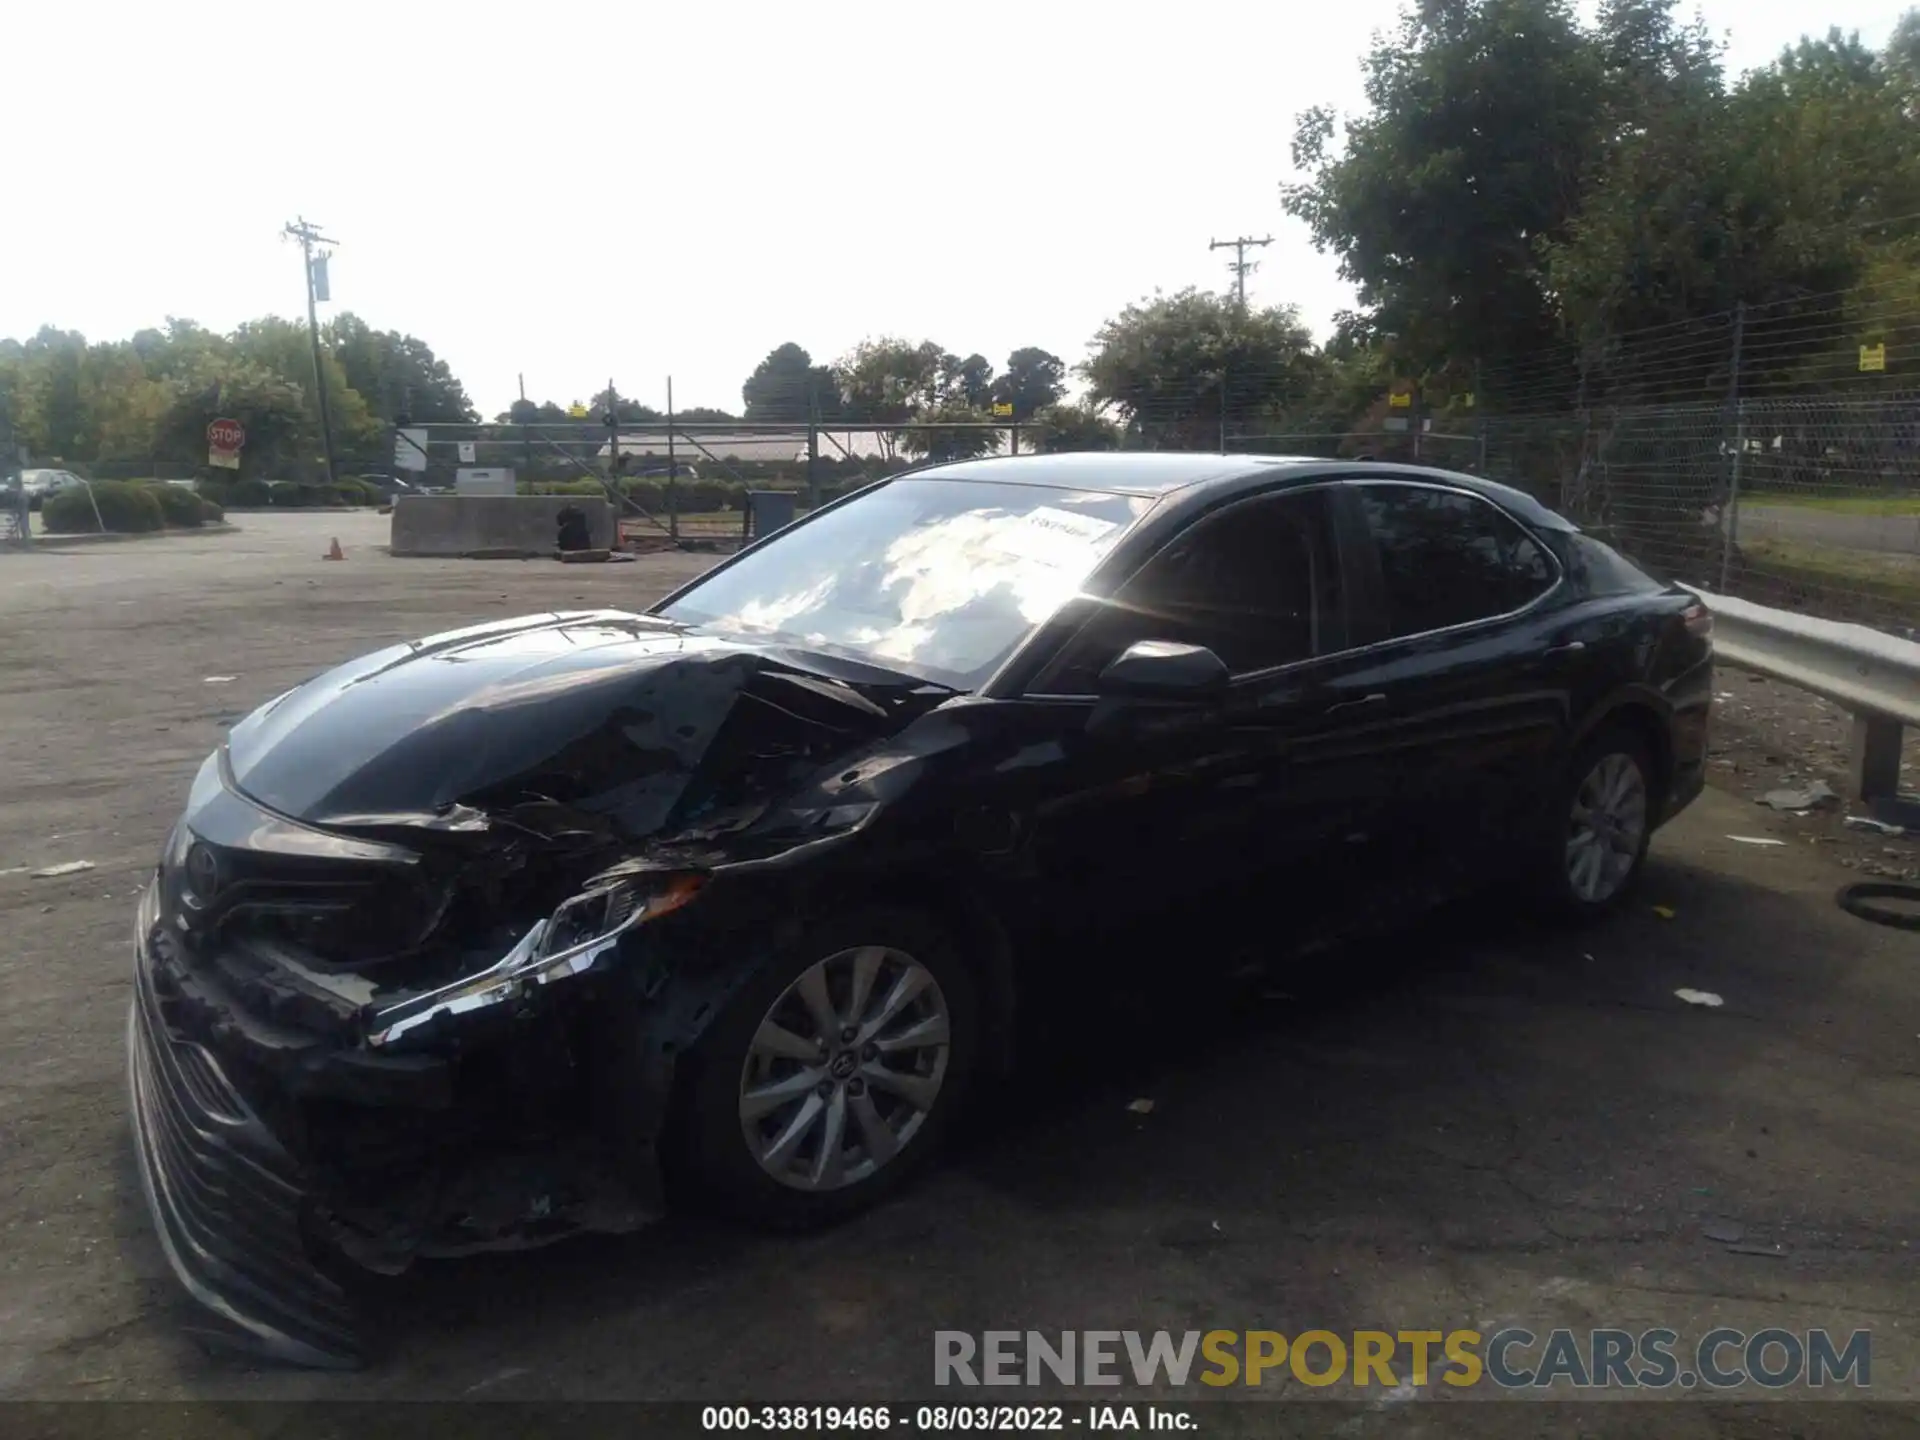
{"x":1595,"y":845}
{"x":835,"y":1073}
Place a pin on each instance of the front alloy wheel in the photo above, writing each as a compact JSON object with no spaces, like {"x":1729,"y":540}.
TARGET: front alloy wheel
{"x":833,"y":1073}
{"x":1607,"y":828}
{"x":845,"y":1068}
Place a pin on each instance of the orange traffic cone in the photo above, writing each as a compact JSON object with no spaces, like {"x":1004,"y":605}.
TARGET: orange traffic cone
{"x":334,"y":552}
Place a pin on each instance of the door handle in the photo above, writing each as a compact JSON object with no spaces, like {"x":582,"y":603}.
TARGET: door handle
{"x":1365,"y":701}
{"x":1565,"y":647}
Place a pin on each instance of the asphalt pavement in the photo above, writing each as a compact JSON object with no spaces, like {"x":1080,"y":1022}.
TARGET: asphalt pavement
{"x":1474,"y":1123}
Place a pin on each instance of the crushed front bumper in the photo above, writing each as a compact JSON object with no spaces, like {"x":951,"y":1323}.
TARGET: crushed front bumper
{"x":229,"y":1202}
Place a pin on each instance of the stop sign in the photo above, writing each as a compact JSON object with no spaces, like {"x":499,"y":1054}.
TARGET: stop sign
{"x":226,"y":435}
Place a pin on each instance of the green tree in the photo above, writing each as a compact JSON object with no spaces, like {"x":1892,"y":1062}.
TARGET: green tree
{"x":967,"y":382}
{"x":1180,"y":366}
{"x":1789,"y":186}
{"x":889,"y":381}
{"x":1483,"y":120}
{"x":396,"y":373}
{"x":971,"y":437}
{"x":1058,"y":429}
{"x":787,"y":387}
{"x":1033,"y":380}
{"x":279,"y":422}
{"x":629,"y":412}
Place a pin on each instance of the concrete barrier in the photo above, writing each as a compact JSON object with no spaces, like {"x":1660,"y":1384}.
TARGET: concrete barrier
{"x":493,"y":526}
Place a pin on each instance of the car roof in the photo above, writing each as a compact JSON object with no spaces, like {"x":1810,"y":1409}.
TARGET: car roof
{"x":1165,"y":473}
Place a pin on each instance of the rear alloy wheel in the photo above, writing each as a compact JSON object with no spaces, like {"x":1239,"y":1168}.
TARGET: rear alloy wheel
{"x":834,"y":1073}
{"x":1606,"y":821}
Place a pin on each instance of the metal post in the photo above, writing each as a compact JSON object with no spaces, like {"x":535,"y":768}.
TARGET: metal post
{"x":673,"y":471}
{"x":1223,"y":412}
{"x":1737,"y":424}
{"x":1479,"y":424}
{"x":1013,"y":438}
{"x":526,"y":444}
{"x":1730,"y":518}
{"x":813,"y":444}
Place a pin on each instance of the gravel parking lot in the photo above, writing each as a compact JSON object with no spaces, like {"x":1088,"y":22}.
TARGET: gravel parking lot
{"x":1477,"y":1124}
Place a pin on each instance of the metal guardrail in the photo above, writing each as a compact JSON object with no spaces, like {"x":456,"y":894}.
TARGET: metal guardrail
{"x":1873,"y":675}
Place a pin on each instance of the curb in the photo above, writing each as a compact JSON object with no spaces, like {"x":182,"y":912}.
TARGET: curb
{"x":64,"y":542}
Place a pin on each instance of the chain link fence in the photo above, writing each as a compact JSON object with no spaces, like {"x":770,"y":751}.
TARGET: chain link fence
{"x":1808,"y":503}
{"x":686,"y":483}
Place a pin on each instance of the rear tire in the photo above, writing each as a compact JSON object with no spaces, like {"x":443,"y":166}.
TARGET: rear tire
{"x":1594,"y":841}
{"x":833,"y":1076}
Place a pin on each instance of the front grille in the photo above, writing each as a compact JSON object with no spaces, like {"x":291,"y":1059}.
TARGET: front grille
{"x":227,"y":1200}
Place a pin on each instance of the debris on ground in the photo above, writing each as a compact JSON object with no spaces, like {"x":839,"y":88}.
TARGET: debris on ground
{"x":219,"y":679}
{"x":1809,"y":797}
{"x":71,"y":867}
{"x":1700,"y":997}
{"x":1665,"y":912}
{"x":1755,"y":840}
{"x":1141,"y":1107}
{"x":1873,"y":826}
{"x":1769,"y":1252}
{"x":1727,"y":1231}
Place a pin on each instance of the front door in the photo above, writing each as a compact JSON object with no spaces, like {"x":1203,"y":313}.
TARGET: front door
{"x":1238,"y":788}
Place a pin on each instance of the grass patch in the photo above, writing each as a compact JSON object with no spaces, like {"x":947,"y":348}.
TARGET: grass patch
{"x":1860,"y":585}
{"x":1886,"y":503}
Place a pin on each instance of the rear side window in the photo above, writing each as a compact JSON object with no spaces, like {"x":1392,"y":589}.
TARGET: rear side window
{"x":1448,"y":558}
{"x":1599,"y":569}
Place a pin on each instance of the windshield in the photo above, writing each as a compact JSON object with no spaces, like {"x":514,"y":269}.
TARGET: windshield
{"x":938,"y":578}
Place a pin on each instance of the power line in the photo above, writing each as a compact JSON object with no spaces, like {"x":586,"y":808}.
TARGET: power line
{"x":309,"y":236}
{"x":1240,"y":265}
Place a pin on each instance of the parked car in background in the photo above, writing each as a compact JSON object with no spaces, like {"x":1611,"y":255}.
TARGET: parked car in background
{"x":389,"y":486}
{"x":528,"y":928}
{"x":39,"y":484}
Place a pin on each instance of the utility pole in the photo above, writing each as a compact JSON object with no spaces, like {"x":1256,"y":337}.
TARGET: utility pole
{"x":1240,"y":265}
{"x":309,"y":236}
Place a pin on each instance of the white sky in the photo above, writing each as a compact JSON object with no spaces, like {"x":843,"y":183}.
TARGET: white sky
{"x":587,"y":188}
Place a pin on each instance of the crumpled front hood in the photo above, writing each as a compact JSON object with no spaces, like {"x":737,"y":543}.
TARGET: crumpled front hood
{"x":605,"y":712}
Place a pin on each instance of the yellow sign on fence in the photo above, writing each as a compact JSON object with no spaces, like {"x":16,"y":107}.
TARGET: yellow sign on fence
{"x":1873,"y":357}
{"x":1001,"y":408}
{"x":1400,"y":400}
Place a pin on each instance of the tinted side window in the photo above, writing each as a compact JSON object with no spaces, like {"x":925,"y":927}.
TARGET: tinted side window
{"x":1448,"y":558}
{"x":1599,"y":569}
{"x":1258,"y":584}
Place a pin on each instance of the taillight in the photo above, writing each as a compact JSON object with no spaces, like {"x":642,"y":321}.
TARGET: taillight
{"x":1698,"y":620}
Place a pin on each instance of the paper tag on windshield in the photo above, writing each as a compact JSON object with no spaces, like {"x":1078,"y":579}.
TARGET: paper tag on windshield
{"x":1054,"y":537}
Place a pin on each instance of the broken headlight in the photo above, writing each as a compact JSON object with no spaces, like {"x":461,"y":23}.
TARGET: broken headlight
{"x":569,"y":942}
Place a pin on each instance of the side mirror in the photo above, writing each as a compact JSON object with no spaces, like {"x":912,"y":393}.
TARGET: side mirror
{"x":1163,"y":670}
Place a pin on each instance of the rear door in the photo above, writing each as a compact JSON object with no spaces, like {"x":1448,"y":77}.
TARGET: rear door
{"x":1474,"y":668}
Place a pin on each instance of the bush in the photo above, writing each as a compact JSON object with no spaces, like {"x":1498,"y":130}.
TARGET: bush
{"x":219,"y":492}
{"x":178,"y":505}
{"x":125,"y":509}
{"x":248,"y":493}
{"x":211,"y":512}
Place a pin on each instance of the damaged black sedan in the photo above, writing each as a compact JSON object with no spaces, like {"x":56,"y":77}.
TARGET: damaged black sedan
{"x":531,"y":928}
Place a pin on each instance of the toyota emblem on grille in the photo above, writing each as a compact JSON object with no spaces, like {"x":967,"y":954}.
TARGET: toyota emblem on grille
{"x":203,"y":873}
